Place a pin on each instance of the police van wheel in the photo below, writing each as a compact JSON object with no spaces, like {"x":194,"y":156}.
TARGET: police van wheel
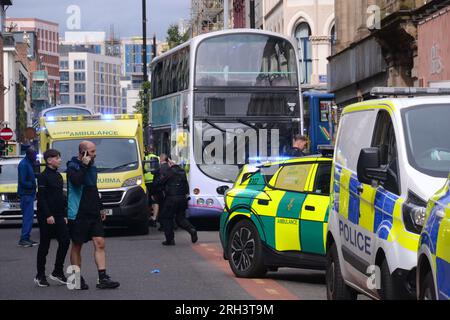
{"x":427,"y":289}
{"x":245,"y":254}
{"x":336,"y":287}
{"x":387,"y":291}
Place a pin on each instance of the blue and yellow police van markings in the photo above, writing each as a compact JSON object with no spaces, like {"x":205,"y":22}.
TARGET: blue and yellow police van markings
{"x":336,"y":176}
{"x":437,"y":238}
{"x":386,"y":221}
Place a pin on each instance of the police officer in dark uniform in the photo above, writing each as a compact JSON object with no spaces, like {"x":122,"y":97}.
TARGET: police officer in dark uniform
{"x":176,"y":188}
{"x":299,"y":143}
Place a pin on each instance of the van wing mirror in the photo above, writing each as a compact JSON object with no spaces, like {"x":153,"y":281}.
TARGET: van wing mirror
{"x":222,"y":189}
{"x":369,"y":167}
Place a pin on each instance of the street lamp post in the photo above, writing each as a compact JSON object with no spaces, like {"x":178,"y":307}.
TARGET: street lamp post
{"x":252,"y":15}
{"x":144,"y":39}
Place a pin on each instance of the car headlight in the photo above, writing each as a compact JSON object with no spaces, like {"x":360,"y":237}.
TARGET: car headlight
{"x":136,"y":181}
{"x":414,"y":213}
{"x":200,"y":201}
{"x":209,"y":202}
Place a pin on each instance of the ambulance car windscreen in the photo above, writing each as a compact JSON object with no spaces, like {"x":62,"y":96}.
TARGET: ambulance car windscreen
{"x":8,"y":173}
{"x":427,"y":138}
{"x":113,"y":154}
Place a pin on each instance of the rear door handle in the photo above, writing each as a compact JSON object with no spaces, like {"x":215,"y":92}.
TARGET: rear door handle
{"x":263,"y":202}
{"x":310,"y":208}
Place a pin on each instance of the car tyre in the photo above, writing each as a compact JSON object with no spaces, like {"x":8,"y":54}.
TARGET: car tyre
{"x":337,"y":289}
{"x":427,"y":288}
{"x":245,"y":254}
{"x":387,"y":290}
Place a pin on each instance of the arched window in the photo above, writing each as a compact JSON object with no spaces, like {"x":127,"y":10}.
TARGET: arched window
{"x":302,"y":34}
{"x":333,"y":40}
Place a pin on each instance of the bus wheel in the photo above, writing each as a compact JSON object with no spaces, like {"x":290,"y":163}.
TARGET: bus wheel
{"x":336,"y":287}
{"x":245,"y":251}
{"x":427,"y":289}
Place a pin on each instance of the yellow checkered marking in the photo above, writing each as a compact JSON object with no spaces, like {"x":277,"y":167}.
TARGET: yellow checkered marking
{"x":443,"y":241}
{"x":397,"y":233}
{"x":272,"y":208}
{"x":287,"y":234}
{"x":366,"y":207}
{"x":320,"y":203}
{"x":344,"y":195}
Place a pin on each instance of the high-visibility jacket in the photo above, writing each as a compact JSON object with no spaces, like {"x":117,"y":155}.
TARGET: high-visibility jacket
{"x":148,"y":176}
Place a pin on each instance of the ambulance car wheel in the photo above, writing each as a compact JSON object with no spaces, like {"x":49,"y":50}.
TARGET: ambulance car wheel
{"x":387,"y":291}
{"x":427,"y":290}
{"x":245,"y":253}
{"x":336,"y":287}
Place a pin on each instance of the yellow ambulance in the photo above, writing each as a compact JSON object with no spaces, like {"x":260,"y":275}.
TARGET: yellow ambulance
{"x":119,"y":160}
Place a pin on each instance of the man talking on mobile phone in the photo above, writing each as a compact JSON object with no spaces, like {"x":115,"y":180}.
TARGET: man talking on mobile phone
{"x":85,"y":213}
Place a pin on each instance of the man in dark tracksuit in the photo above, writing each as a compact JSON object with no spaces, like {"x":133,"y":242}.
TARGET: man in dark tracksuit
{"x":26,"y":189}
{"x":52,"y":219}
{"x":84,"y":212}
{"x":176,"y":188}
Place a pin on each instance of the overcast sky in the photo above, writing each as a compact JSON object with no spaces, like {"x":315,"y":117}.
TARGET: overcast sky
{"x":98,"y":15}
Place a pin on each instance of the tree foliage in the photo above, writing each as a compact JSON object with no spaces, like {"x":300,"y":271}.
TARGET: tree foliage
{"x":21,"y":114}
{"x":142,"y":106}
{"x":174,"y":38}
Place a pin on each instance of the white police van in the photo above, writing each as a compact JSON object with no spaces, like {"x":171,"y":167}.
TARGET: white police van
{"x":391,"y":156}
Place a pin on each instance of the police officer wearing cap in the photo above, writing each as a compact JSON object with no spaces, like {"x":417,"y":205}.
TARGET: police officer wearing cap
{"x":176,"y":189}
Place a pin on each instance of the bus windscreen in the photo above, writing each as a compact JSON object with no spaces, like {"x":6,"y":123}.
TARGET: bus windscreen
{"x":246,"y":60}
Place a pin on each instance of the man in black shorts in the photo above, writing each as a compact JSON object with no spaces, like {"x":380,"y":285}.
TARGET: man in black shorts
{"x":84,"y":213}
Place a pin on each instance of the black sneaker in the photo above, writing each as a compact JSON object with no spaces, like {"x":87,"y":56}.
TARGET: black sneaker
{"x":83,"y":285}
{"x":58,"y":277}
{"x":107,"y":283}
{"x":194,"y":237}
{"x":33,"y":243}
{"x":41,"y":281}
{"x":25,"y":244}
{"x":168,"y":243}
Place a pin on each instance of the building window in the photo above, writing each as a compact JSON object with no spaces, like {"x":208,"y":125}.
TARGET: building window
{"x":80,"y":87}
{"x":79,"y":64}
{"x":64,"y":98}
{"x":63,"y":87}
{"x":63,"y":65}
{"x":333,"y":39}
{"x":64,"y":76}
{"x":302,"y":34}
{"x":80,"y":76}
{"x":80,"y":99}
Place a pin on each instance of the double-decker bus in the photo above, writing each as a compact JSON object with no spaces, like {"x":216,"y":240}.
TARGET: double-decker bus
{"x":222,"y":100}
{"x":65,"y":110}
